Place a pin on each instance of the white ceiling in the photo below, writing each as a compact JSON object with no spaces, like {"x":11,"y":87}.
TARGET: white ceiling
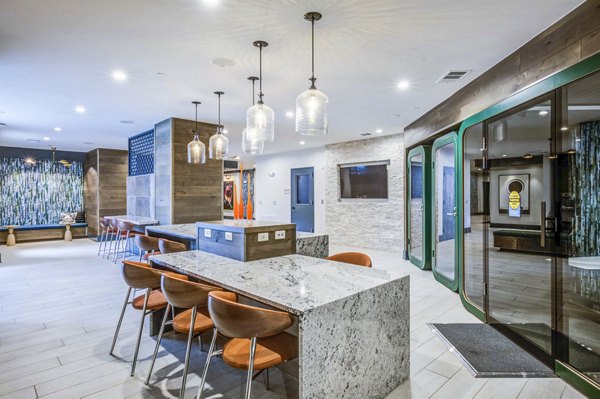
{"x":57,"y":54}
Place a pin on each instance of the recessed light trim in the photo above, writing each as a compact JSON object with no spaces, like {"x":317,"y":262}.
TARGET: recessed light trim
{"x":46,"y":138}
{"x":58,"y":129}
{"x":564,"y":128}
{"x":403,"y":84}
{"x":302,"y":143}
{"x":543,"y":113}
{"x":119,"y":76}
{"x":379,"y":131}
{"x":289,"y":114}
{"x":80,"y":109}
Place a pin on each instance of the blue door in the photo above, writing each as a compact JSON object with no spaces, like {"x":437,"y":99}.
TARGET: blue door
{"x":302,"y":201}
{"x":448,"y":204}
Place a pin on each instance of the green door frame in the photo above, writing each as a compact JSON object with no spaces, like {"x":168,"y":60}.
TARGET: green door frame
{"x":425,"y":151}
{"x":450,"y":138}
{"x":552,"y":83}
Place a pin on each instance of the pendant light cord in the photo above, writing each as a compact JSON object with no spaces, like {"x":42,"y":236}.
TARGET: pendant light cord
{"x":312,"y":79}
{"x":196,"y":128}
{"x":260,"y":93}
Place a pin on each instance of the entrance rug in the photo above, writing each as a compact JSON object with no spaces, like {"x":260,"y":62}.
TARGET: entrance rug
{"x":488,"y":353}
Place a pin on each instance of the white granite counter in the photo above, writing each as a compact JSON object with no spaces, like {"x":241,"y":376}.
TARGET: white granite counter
{"x":188,"y":231}
{"x":136,"y":220}
{"x":294,"y":283}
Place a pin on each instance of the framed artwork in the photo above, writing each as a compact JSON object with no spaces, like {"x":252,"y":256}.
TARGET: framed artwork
{"x":228,"y":195}
{"x":510,"y":183}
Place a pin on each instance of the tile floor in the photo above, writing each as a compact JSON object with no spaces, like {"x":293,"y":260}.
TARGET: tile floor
{"x":59,"y":304}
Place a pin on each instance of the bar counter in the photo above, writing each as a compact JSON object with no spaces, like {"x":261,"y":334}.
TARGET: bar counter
{"x":353,"y":322}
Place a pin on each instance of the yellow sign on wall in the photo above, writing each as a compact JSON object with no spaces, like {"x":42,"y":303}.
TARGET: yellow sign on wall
{"x":514,"y":204}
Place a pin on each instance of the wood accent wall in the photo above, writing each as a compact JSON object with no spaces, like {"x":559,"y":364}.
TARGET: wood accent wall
{"x":185,"y":193}
{"x":105,"y":185}
{"x":568,"y":41}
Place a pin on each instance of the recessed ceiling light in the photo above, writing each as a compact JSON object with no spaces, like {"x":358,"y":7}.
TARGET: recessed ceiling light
{"x":564,"y":128}
{"x":302,"y":143}
{"x":543,"y":113}
{"x":289,"y":114}
{"x":30,"y":161}
{"x":119,"y":76}
{"x":379,"y":131}
{"x":58,"y":129}
{"x":223,"y":62}
{"x":403,"y":84}
{"x":211,"y":3}
{"x":46,"y":138}
{"x":527,"y":156}
{"x":79,"y":109}
{"x":126,"y":122}
{"x":504,"y":155}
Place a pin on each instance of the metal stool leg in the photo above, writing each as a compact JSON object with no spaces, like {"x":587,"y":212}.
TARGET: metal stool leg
{"x":188,"y":351}
{"x":211,"y":351}
{"x":250,"y":367}
{"x":160,"y":334}
{"x":101,"y":239}
{"x":112,"y":347}
{"x":139,"y":338}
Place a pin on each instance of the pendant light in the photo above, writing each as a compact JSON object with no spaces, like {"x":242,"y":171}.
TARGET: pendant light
{"x":260,"y":119}
{"x":311,"y":105}
{"x":218,"y":145}
{"x":196,"y":149}
{"x":250,"y":144}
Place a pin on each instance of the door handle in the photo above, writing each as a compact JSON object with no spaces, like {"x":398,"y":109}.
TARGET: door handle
{"x":543,"y":224}
{"x":454,"y":213}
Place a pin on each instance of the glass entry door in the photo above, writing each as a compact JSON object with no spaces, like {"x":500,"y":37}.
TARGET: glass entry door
{"x":444,"y":226}
{"x":518,"y":164}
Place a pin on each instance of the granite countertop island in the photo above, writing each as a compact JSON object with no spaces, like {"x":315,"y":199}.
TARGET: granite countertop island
{"x":353,"y":322}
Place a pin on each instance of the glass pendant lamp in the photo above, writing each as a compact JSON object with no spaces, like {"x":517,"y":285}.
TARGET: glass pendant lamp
{"x":218,"y":145}
{"x":196,"y":149}
{"x":250,"y":144}
{"x":260,"y":119}
{"x":311,"y":105}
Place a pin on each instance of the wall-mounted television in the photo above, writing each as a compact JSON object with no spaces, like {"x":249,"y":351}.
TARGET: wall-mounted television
{"x":366,"y":181}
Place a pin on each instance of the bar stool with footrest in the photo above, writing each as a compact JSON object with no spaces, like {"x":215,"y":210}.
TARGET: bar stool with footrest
{"x":355,"y":258}
{"x":258,"y":340}
{"x":114,"y":229}
{"x":125,"y":233}
{"x":148,"y":246}
{"x":105,"y":231}
{"x":194,"y":321}
{"x":169,"y":247}
{"x":139,"y":275}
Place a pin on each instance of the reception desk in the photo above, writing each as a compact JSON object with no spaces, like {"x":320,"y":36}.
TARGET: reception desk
{"x":353,"y":322}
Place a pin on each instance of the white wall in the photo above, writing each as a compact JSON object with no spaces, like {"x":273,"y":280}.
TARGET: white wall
{"x":273,"y":193}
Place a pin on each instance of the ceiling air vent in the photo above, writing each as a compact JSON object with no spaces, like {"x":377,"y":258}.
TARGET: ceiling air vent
{"x":365,"y":134}
{"x":453,"y":76}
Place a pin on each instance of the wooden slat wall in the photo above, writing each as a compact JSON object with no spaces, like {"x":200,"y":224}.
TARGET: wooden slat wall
{"x":568,"y":41}
{"x":196,"y":188}
{"x":90,"y":190}
{"x":113,"y":169}
{"x":104,"y":186}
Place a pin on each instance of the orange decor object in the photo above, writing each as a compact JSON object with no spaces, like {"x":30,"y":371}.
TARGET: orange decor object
{"x":241,"y":199}
{"x":235,"y":203}
{"x":249,"y":205}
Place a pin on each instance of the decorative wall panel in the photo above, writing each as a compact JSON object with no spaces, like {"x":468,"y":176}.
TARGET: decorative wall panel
{"x":141,"y":154}
{"x":33,"y":194}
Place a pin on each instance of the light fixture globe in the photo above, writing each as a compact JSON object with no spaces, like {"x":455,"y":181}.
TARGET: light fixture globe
{"x":260,"y":119}
{"x":250,"y":145}
{"x":196,"y":150}
{"x":311,"y":113}
{"x":218,"y":145}
{"x":311,"y":105}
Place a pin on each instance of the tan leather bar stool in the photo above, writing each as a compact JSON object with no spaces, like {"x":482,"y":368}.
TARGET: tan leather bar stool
{"x":258,"y":341}
{"x":355,"y":258}
{"x":124,"y":234}
{"x":106,"y":230}
{"x":148,"y":246}
{"x":139,"y":275}
{"x":169,"y":247}
{"x":194,"y":321}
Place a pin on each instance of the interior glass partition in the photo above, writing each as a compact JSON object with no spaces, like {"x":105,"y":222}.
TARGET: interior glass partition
{"x":578,"y":169}
{"x":444,"y":209}
{"x":418,"y":171}
{"x":475,"y":215}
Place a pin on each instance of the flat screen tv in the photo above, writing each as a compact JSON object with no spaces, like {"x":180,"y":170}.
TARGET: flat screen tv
{"x":365,"y":181}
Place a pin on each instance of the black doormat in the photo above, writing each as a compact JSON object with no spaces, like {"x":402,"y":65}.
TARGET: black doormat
{"x":488,"y":353}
